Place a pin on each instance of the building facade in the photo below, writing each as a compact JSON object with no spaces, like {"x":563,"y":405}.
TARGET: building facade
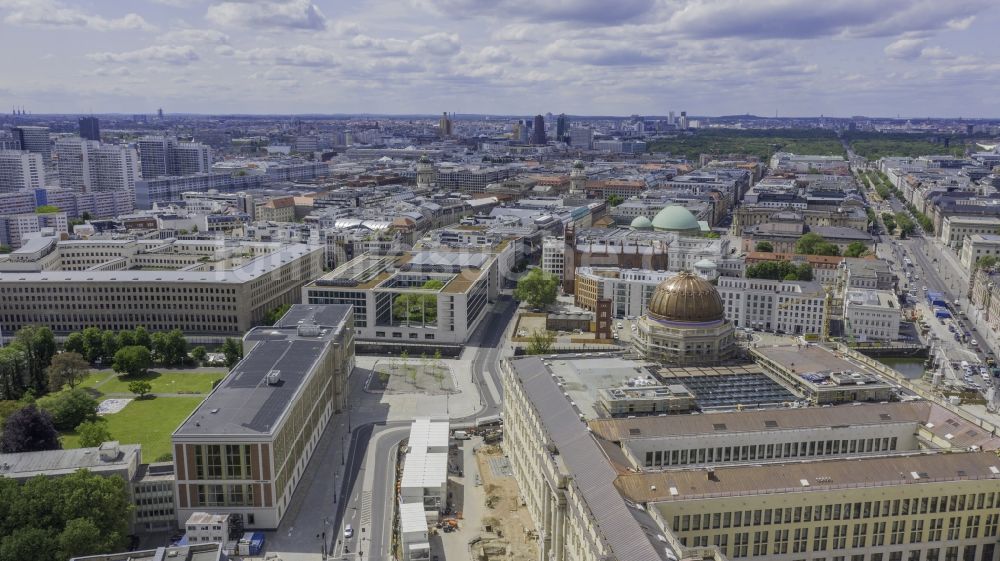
{"x":244,"y":449}
{"x":21,"y":171}
{"x":792,"y":307}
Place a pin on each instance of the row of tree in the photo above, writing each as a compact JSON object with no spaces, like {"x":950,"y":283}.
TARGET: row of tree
{"x":167,"y":348}
{"x":63,"y":517}
{"x":780,"y":270}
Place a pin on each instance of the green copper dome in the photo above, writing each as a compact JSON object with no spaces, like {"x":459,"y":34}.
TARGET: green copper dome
{"x":675,"y":218}
{"x":641,"y":223}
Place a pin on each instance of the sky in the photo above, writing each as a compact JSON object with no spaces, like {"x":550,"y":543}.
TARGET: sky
{"x":911,"y":58}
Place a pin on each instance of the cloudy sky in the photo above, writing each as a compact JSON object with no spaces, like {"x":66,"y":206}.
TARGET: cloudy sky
{"x":914,"y":58}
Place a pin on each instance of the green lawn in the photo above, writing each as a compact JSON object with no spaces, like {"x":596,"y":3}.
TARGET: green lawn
{"x":148,"y":422}
{"x":167,"y":381}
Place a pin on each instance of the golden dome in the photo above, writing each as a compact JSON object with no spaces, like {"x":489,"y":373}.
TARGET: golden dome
{"x":686,"y":298}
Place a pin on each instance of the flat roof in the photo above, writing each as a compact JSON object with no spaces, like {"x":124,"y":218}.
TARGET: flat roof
{"x":250,"y":270}
{"x":244,"y":403}
{"x":797,"y":477}
{"x":627,"y":531}
{"x":63,"y":462}
{"x":811,"y":358}
{"x":426,"y":433}
{"x":412,"y":518}
{"x":618,"y":430}
{"x":423,"y":469}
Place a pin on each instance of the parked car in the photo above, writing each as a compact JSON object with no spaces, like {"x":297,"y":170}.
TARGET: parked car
{"x":348,"y":531}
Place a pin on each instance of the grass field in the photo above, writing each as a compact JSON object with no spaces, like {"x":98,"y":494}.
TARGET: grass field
{"x":760,"y":143}
{"x":148,"y":422}
{"x":167,"y":381}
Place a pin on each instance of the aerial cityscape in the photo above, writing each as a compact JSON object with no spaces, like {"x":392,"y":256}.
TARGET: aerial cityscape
{"x":446,"y":280}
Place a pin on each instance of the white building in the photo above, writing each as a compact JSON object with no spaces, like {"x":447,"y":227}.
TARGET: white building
{"x":425,"y":467}
{"x":553,"y":256}
{"x":977,"y":246}
{"x":165,"y":156}
{"x":204,"y":527}
{"x":872,"y":315}
{"x":21,"y":171}
{"x":954,"y":229}
{"x":86,"y":166}
{"x":781,"y":306}
{"x":413,"y":532}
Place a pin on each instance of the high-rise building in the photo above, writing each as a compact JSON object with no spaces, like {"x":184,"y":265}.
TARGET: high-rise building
{"x":683,"y":124}
{"x":90,"y":128}
{"x":561,"y":127}
{"x":670,"y":120}
{"x":35,"y":140}
{"x":87,"y":166}
{"x":21,"y":171}
{"x":444,"y":125}
{"x":159,"y":113}
{"x":581,"y":138}
{"x":538,"y":130}
{"x":164,"y":156}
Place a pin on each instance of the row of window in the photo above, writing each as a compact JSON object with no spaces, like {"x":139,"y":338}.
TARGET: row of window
{"x":769,"y":451}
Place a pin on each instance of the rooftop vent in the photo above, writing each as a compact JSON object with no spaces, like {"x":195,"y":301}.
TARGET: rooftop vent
{"x":771,"y":424}
{"x":274,"y":377}
{"x":634,"y":432}
{"x":719,"y":426}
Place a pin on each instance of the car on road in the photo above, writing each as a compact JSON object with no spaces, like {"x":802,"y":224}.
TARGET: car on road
{"x":348,"y":531}
{"x":924,"y":288}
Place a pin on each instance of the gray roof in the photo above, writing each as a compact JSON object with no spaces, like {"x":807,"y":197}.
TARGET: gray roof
{"x":191,"y":552}
{"x":626,"y":530}
{"x":24,"y":465}
{"x":244,"y":403}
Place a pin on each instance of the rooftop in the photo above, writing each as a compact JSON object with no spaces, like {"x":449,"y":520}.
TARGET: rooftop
{"x":25,"y":465}
{"x":195,"y":552}
{"x":916,"y":469}
{"x":245,"y":403}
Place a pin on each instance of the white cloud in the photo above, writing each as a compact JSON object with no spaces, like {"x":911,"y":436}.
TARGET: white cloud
{"x":169,"y":54}
{"x":592,"y":12}
{"x":904,"y":49}
{"x":299,"y":55}
{"x":286,"y":14}
{"x":437,"y":44}
{"x":49,"y":13}
{"x":191,"y":35}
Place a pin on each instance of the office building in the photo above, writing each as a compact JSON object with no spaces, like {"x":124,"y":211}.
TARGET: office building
{"x":169,"y":189}
{"x":87,"y":166}
{"x":581,"y":138}
{"x":792,"y":307}
{"x":821,"y":376}
{"x":244,"y":449}
{"x":192,"y":552}
{"x":165,"y":156}
{"x":444,"y":125}
{"x":15,"y":229}
{"x":978,"y":246}
{"x":562,"y":126}
{"x":872,"y":315}
{"x":430,"y":298}
{"x":214,"y":288}
{"x":538,"y":130}
{"x":553,"y":256}
{"x":685,"y":323}
{"x":21,"y":171}
{"x":868,"y":273}
{"x":867,"y":482}
{"x":90,"y":129}
{"x":955,"y":229}
{"x":34,"y":140}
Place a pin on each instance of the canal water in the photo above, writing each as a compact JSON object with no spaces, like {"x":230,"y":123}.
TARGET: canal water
{"x":911,"y":368}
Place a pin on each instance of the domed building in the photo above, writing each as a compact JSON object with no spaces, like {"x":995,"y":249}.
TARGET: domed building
{"x":675,"y":218}
{"x":685,"y":324}
{"x":641,"y":223}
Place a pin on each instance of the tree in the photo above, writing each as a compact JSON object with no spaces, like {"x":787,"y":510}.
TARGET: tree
{"x":69,"y":408}
{"x":814,"y":244}
{"x":176,"y":352}
{"x":39,"y":345}
{"x":29,"y":430}
{"x":80,"y":537}
{"x":12,"y":372}
{"x":67,"y":369}
{"x":93,"y":433}
{"x":615,"y":200}
{"x":159,"y":347}
{"x":272,"y":316}
{"x":712,"y":235}
{"x":126,"y":338}
{"x":93,"y":344}
{"x":27,"y":543}
{"x":987,"y":262}
{"x":540,"y":342}
{"x":140,"y":388}
{"x":5,"y":249}
{"x":109,"y":346}
{"x":766,"y":247}
{"x":74,"y":343}
{"x":132,"y":361}
{"x":142,"y":337}
{"x":417,"y":308}
{"x":46,"y":209}
{"x":855,"y":249}
{"x":780,"y":270}
{"x":233,"y":350}
{"x":199,"y":353}
{"x":537,"y":288}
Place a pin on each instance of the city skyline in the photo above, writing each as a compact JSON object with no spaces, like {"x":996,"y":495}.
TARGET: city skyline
{"x":905,"y":58}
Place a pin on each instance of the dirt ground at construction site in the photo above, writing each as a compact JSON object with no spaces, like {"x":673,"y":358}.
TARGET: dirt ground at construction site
{"x":507,"y":531}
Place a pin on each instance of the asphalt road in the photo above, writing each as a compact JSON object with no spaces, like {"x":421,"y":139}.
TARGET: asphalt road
{"x":380,"y":440}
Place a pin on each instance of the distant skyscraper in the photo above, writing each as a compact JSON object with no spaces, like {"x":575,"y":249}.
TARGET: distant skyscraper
{"x":561,"y":127}
{"x":671,"y":120}
{"x":21,"y":171}
{"x":683,"y":125}
{"x":159,"y":113}
{"x":538,"y":130}
{"x":90,"y":128}
{"x":164,"y":156}
{"x":444,"y":125}
{"x":87,"y":166}
{"x":34,"y":140}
